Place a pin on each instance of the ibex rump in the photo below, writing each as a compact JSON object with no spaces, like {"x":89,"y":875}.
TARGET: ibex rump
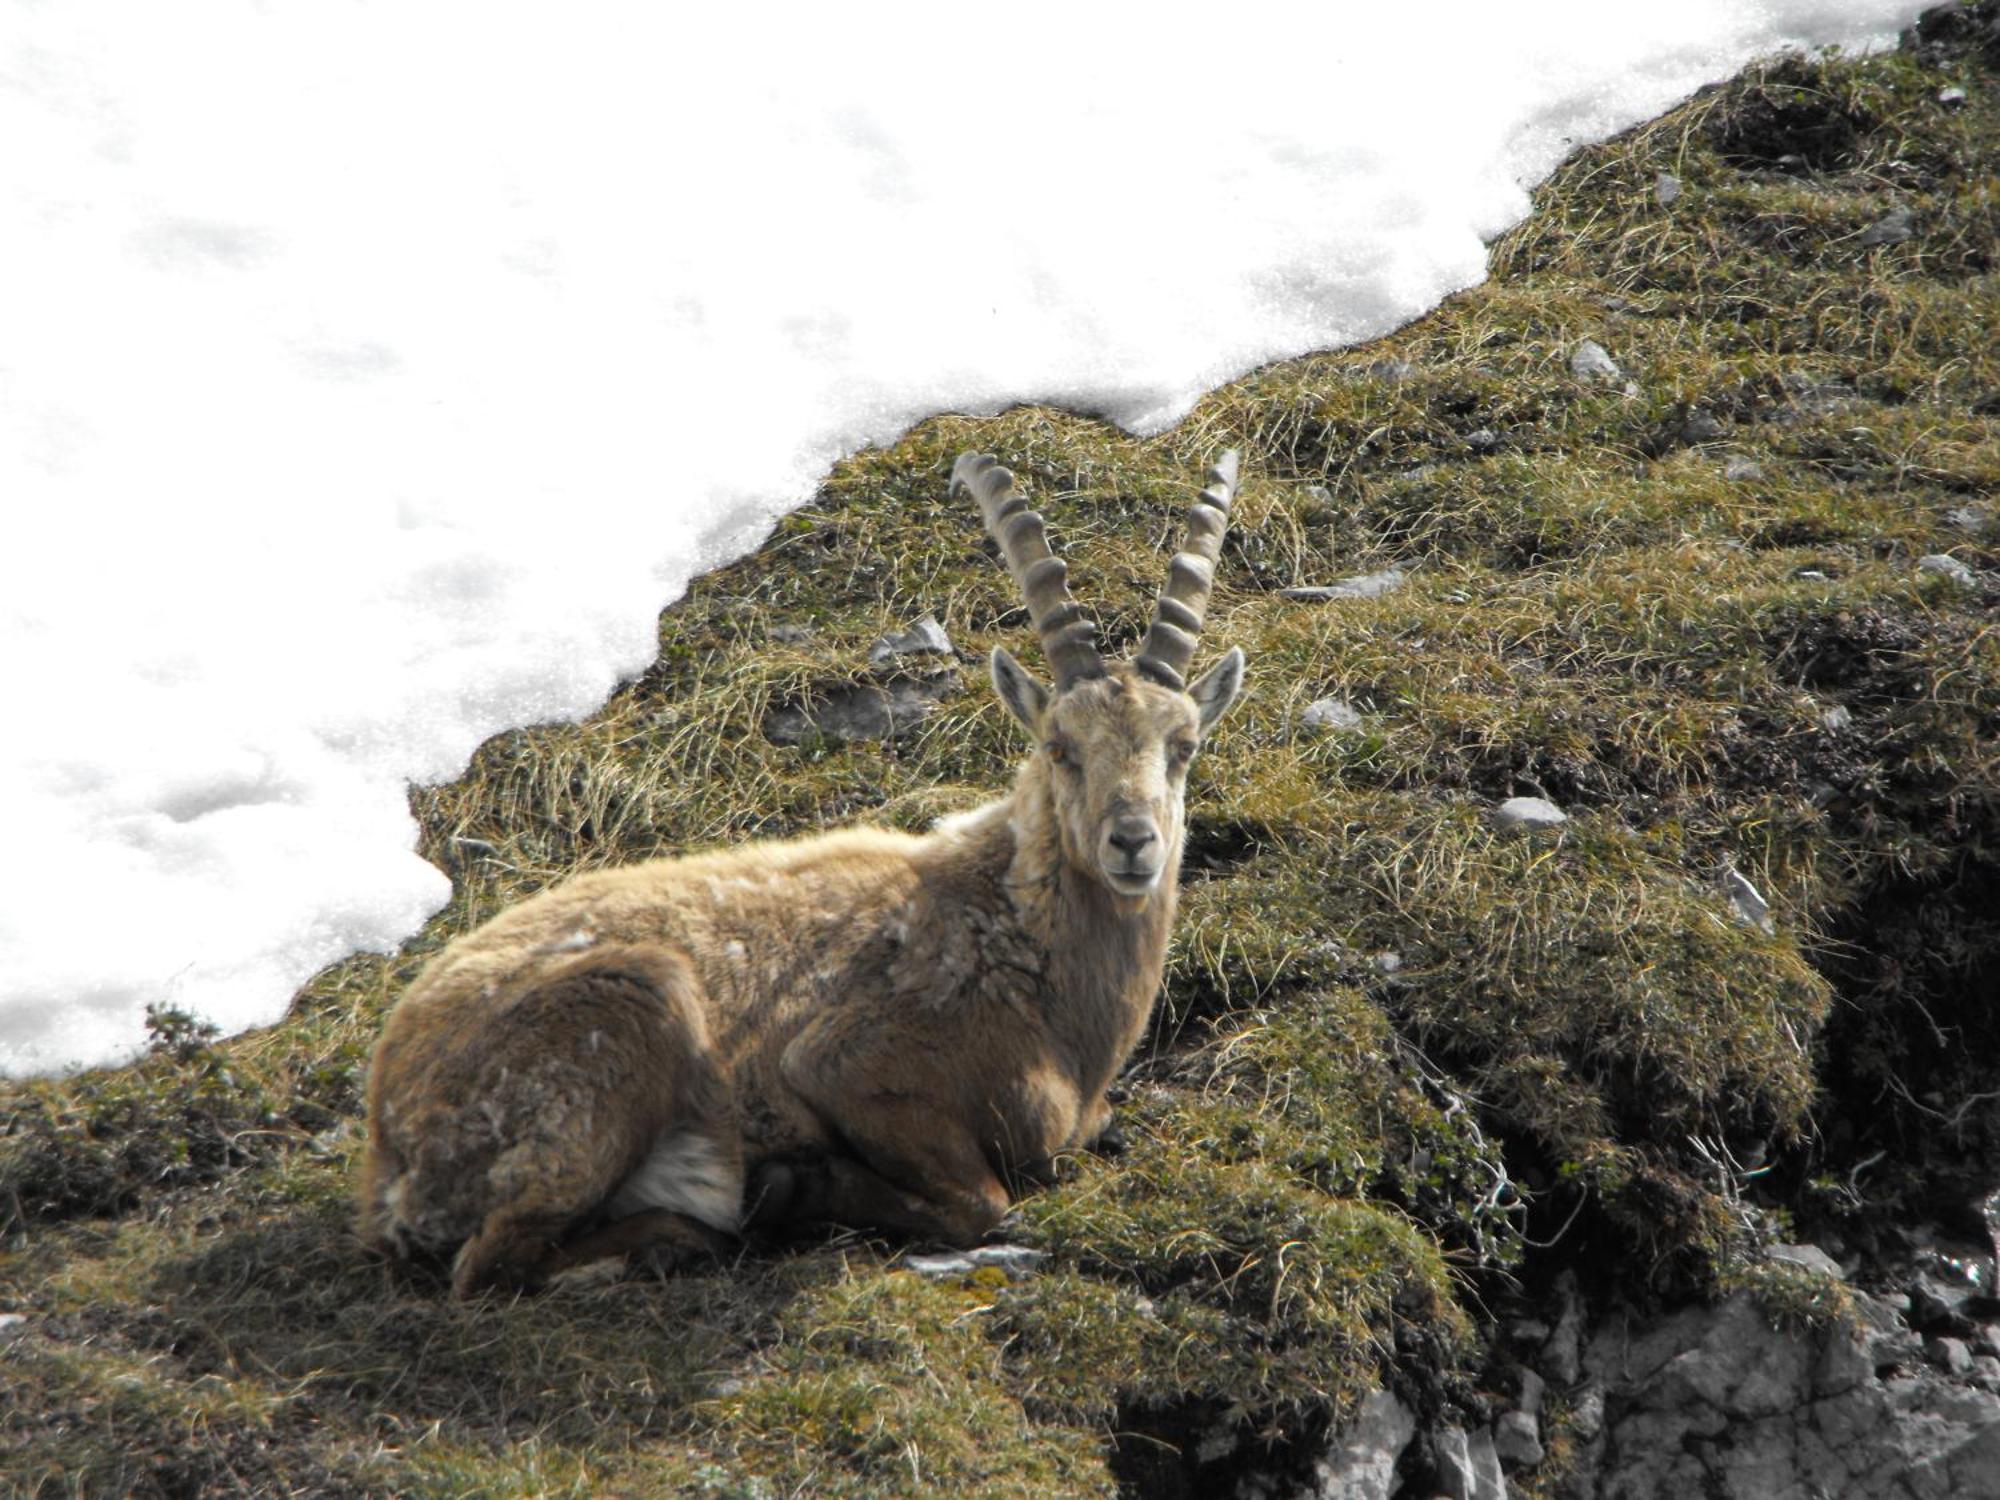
{"x":871,"y":1028}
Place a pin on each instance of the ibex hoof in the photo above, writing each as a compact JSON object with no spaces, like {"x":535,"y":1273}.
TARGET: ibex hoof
{"x":771,"y":1195}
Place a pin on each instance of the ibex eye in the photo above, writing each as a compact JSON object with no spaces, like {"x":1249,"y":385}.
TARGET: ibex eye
{"x":1058,"y":752}
{"x":1182,"y":751}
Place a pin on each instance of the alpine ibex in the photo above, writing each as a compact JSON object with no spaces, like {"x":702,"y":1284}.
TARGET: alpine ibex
{"x":870,"y":1028}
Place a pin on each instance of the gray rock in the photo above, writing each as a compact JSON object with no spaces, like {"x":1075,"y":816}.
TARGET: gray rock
{"x":1562,"y":1357}
{"x":1952,"y":97}
{"x":1015,"y":1260}
{"x":1386,"y":963}
{"x":12,"y":1326}
{"x":1484,"y":440}
{"x":1361,"y":586}
{"x":1361,"y":1464}
{"x":1740,"y":468}
{"x":1531,"y":1388}
{"x":1330,"y":716}
{"x":1972,"y":518}
{"x":1950,"y":1355}
{"x":1588,"y":361}
{"x":1745,"y":901}
{"x":1586,"y":1413}
{"x":925,"y":638}
{"x":1700,"y":426}
{"x":1468,"y":1467}
{"x":1666,"y":190}
{"x":791,"y":635}
{"x":1986,"y":1338}
{"x":869,"y":711}
{"x":1394,"y":371}
{"x":1529,"y":1333}
{"x":1517,"y":1440}
{"x":1946,"y":566}
{"x":1837,"y":718}
{"x":1817,"y":397}
{"x":1810,"y":1257}
{"x":1893,"y":228}
{"x":1529,"y":815}
{"x":1715,"y":1401}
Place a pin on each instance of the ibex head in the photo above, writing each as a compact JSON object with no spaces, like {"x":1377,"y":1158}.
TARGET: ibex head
{"x":1115,"y":739}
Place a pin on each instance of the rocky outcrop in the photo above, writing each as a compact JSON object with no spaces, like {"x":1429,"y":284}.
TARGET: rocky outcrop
{"x":1715,"y":1401}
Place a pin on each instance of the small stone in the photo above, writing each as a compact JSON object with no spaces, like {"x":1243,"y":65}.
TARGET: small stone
{"x":1700,"y":426}
{"x":1386,"y":963}
{"x":1586,"y":1413}
{"x":1468,"y":1467}
{"x":938,"y":1266}
{"x":1528,"y":1333}
{"x":1529,"y":814}
{"x":1949,"y":1355}
{"x":1394,"y":371}
{"x":1484,"y":440}
{"x":1015,"y":1260}
{"x":1986,"y":1372}
{"x":1938,"y":1307}
{"x":1361,"y":586}
{"x":1361,"y":1464}
{"x":1740,"y":468}
{"x":1972,"y":518}
{"x":845,"y":713}
{"x":1952,"y":97}
{"x":1946,"y":566}
{"x":1517,"y":1440}
{"x":1562,"y":1359}
{"x":1217,"y":1443}
{"x":1532,"y":1388}
{"x":1986,"y":1339}
{"x":12,"y":1326}
{"x":925,"y":638}
{"x":1330,"y":716}
{"x":1836,"y":719}
{"x":791,"y":635}
{"x":1744,"y":899}
{"x":1893,"y":228}
{"x":1809,"y":1257}
{"x":1666,"y":189}
{"x":1810,"y":575}
{"x":1589,"y":362}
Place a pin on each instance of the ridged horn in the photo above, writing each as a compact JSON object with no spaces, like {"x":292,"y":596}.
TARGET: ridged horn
{"x":1069,"y":640}
{"x":1170,"y":640}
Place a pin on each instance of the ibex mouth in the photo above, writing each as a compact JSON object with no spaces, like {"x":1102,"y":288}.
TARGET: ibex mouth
{"x":1132,"y":882}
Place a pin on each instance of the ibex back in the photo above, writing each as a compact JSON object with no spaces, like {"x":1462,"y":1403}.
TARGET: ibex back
{"x":866,"y":1027}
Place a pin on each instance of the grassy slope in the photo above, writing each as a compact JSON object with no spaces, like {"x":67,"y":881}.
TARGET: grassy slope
{"x":1334,"y":1160}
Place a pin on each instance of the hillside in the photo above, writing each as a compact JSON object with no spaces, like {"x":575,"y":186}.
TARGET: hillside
{"x":1691,"y":510}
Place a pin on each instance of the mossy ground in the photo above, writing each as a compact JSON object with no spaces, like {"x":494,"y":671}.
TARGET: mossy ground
{"x":1336,"y":1158}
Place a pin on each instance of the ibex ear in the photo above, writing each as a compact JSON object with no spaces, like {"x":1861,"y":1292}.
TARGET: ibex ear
{"x":1217,"y":688}
{"x":1025,"y":698}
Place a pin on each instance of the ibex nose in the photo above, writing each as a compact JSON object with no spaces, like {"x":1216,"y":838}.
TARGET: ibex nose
{"x":1130,"y":835}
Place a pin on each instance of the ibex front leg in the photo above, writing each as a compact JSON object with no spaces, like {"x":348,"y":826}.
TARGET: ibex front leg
{"x":903,"y":1162}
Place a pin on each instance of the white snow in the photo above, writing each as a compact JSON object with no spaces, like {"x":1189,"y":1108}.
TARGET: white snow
{"x":370,"y":375}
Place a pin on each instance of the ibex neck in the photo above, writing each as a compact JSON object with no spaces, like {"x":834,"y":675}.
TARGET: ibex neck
{"x":1104,"y":954}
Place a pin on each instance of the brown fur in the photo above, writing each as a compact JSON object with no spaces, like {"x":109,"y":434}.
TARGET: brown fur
{"x":876,"y":1028}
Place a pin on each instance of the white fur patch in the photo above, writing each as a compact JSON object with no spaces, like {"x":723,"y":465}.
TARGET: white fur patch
{"x":687,"y":1173}
{"x":576,"y":942}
